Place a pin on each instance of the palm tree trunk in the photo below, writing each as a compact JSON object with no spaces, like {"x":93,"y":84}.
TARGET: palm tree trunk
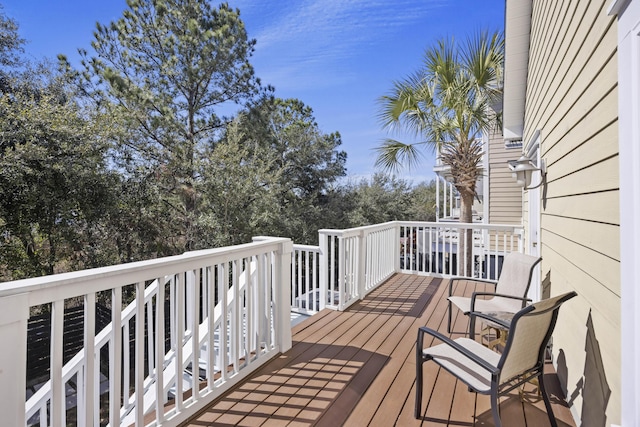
{"x":465,"y":237}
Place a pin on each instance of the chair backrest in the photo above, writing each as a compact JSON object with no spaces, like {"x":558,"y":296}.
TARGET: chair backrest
{"x":529,"y":334}
{"x":516,"y":274}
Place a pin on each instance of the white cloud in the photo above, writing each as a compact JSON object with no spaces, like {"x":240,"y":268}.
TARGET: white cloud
{"x":305,"y":39}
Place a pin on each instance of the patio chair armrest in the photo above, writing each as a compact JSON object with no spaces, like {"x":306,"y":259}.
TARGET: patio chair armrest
{"x":505,"y":324}
{"x":453,"y":279}
{"x":493,"y":294}
{"x":454,"y":345}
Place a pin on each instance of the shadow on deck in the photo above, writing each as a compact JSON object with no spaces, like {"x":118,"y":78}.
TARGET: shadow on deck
{"x":357,"y":367}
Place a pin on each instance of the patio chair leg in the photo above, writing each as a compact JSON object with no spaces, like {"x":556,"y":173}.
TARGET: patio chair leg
{"x":449,"y":319}
{"x":495,"y":408}
{"x":418,"y":407}
{"x":472,"y":327}
{"x":419,"y":362}
{"x":547,"y":402}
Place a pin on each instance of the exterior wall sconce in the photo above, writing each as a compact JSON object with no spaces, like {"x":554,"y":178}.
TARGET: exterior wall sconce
{"x":522,"y":171}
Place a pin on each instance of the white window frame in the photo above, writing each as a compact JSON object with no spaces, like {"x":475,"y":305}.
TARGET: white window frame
{"x":533,"y":152}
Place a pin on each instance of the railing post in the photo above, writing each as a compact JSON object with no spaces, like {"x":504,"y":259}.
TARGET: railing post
{"x":283,"y":295}
{"x":14,"y":313}
{"x":342,"y":282}
{"x":521,"y":241}
{"x":396,"y":249}
{"x":323,"y":265}
{"x":360,"y":273}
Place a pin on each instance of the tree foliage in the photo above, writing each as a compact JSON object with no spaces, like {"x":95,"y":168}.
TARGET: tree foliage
{"x":170,"y":67}
{"x":285,"y":164}
{"x":11,"y":44}
{"x":132,"y":157}
{"x":53,"y":175}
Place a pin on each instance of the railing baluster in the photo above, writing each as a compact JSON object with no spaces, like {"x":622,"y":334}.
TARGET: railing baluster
{"x":195,"y":335}
{"x":115,"y":354}
{"x":341,"y":273}
{"x":160,"y":351}
{"x":236,"y":331}
{"x":307,"y":279}
{"x":96,"y":387}
{"x":180,"y":329}
{"x":89,"y":361}
{"x":126,"y":359}
{"x":261,"y":326}
{"x":139,"y":355}
{"x":172,"y":313}
{"x":223,"y":290}
{"x":249,"y":290}
{"x":332,"y":270}
{"x":211,"y":329}
{"x":43,"y":416}
{"x":298,"y":278}
{"x":270,"y":258}
{"x":57,"y":386}
{"x":150,"y":335}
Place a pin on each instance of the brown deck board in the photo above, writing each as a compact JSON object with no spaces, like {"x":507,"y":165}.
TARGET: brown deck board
{"x":357,"y":367}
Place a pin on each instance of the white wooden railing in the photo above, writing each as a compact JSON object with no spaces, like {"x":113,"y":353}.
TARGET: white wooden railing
{"x":305,"y":279}
{"x":348,"y":264}
{"x":228,"y":313}
{"x":355,"y":262}
{"x":434,"y":248}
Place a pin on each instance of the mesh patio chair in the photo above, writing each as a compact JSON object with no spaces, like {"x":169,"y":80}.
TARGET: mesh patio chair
{"x":487,"y":372}
{"x":510,"y":291}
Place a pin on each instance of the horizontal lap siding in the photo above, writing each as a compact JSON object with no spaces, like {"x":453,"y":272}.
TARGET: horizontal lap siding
{"x":505,"y":197}
{"x":572,"y":100}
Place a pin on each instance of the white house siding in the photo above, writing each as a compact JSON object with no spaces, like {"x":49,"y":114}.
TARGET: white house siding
{"x":572,"y":100}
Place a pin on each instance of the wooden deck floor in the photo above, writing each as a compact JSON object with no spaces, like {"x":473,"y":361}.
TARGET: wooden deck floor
{"x":357,"y":368}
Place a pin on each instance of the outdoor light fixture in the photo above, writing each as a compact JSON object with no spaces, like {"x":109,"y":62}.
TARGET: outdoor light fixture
{"x":522,"y":170}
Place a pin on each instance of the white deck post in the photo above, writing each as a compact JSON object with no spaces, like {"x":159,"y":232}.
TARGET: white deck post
{"x":283,"y":295}
{"x":396,"y":249}
{"x":437,"y":199}
{"x":14,"y":313}
{"x":323,"y":265}
{"x":360,"y":273}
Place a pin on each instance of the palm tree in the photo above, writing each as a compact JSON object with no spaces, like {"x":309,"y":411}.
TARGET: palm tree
{"x":448,"y":103}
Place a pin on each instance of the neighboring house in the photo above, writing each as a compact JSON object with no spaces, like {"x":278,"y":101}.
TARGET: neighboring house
{"x":499,"y":198}
{"x":572,"y":92}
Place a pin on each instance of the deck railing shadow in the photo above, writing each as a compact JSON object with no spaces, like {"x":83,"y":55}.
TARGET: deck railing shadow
{"x":304,"y":385}
{"x":410,"y":307}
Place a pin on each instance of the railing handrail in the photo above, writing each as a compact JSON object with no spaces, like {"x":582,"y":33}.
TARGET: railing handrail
{"x":452,"y":224}
{"x":72,"y":284}
{"x":351,"y":231}
{"x":458,"y":224}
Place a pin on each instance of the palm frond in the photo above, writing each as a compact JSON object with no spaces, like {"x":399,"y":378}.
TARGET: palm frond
{"x":392,"y":155}
{"x":483,"y":58}
{"x":406,"y":106}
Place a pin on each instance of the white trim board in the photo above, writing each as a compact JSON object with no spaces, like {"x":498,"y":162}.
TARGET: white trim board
{"x":628,"y":12}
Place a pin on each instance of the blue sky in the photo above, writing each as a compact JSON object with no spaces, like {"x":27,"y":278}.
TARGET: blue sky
{"x":337,"y":56}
